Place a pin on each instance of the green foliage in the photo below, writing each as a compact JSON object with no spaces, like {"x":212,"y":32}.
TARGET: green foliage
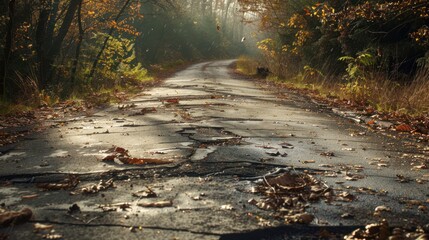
{"x":311,"y":74}
{"x":134,"y":72}
{"x":358,"y":67}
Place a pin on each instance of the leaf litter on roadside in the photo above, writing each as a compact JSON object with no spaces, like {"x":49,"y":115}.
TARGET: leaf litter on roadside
{"x":146,"y":193}
{"x":382,"y":230}
{"x":101,"y":186}
{"x":114,"y":207}
{"x":289,"y":194}
{"x":68,"y":183}
{"x":122,"y":155}
{"x":46,"y":231}
{"x":10,"y":218}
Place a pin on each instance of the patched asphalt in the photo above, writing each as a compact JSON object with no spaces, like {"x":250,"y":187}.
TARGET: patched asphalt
{"x":222,"y":135}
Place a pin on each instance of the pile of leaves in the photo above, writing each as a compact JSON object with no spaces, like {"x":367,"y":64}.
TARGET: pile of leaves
{"x":121,"y":154}
{"x":10,"y":125}
{"x":382,"y":231}
{"x":289,"y":194}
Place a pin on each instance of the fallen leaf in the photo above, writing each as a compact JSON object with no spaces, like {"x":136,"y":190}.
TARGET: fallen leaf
{"x":109,"y":158}
{"x":69,"y":183}
{"x":347,"y":216}
{"x":148,"y":110}
{"x":265,"y":147}
{"x":142,"y":161}
{"x":302,"y":218}
{"x":287,"y":181}
{"x":345,"y":197}
{"x":52,"y":236}
{"x":382,"y":209}
{"x":420,"y":167}
{"x":9,"y":218}
{"x":42,"y":227}
{"x":147,"y":193}
{"x":159,"y":204}
{"x":274,"y":154}
{"x":172,"y":101}
{"x":286,"y":145}
{"x":402,"y":179}
{"x":404,"y":128}
{"x":328,"y":154}
{"x":114,"y":207}
{"x":32,"y":196}
{"x":309,"y":161}
{"x":326,"y":166}
{"x":95,"y":188}
{"x":120,"y":150}
{"x":267,"y":159}
{"x":227,"y":207}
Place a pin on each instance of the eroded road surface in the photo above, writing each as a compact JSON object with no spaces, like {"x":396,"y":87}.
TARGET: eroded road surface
{"x":208,"y":155}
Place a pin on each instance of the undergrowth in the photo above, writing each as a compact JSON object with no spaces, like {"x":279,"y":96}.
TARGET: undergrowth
{"x":100,"y":92}
{"x":362,"y":88}
{"x":246,"y":66}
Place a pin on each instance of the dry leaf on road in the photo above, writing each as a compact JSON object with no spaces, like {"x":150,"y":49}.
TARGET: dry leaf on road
{"x":12,"y":218}
{"x":159,"y":204}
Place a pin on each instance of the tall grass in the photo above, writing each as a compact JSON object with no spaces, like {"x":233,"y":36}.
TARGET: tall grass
{"x":378,"y":91}
{"x":246,"y":66}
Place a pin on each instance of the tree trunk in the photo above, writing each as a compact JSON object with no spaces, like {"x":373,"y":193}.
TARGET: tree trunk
{"x":225,"y":16}
{"x":49,"y":49}
{"x":78,"y":46}
{"x":106,"y":41}
{"x":51,"y":24}
{"x":7,"y":50}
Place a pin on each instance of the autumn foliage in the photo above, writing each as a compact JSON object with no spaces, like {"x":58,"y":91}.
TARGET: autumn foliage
{"x":52,"y":49}
{"x":362,"y":45}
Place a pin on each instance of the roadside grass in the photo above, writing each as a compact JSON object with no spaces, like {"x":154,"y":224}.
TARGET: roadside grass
{"x":7,"y":108}
{"x":246,"y":66}
{"x":104,"y":92}
{"x":376,"y":92}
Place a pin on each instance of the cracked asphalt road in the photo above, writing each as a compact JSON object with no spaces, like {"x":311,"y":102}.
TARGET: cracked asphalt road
{"x":222,"y":134}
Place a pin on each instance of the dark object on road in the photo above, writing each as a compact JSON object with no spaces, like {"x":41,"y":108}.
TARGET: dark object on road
{"x":74,"y":209}
{"x":262,"y":72}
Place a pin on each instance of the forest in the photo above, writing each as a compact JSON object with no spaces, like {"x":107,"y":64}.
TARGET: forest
{"x":372,"y":53}
{"x":369,"y":52}
{"x":57,"y":49}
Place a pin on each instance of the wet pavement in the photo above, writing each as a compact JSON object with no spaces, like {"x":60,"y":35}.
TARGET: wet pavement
{"x":221,"y":136}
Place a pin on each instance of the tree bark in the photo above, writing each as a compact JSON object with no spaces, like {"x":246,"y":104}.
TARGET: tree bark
{"x":78,"y":46}
{"x":225,"y":16}
{"x":7,"y":50}
{"x":53,"y":45}
{"x":52,"y":21}
{"x":106,"y":41}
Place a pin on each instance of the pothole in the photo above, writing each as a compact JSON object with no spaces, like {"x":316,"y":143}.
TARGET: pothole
{"x":208,"y":136}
